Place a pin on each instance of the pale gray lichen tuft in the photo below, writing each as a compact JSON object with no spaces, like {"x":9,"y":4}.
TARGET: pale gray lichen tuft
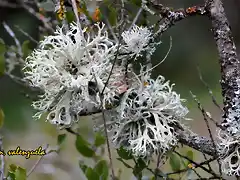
{"x":65,"y":65}
{"x":146,"y":117}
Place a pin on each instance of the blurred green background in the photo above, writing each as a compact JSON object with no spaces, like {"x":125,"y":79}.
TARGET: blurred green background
{"x":193,"y":44}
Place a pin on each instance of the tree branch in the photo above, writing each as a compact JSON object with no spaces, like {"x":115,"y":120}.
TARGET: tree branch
{"x":229,"y":62}
{"x":169,"y":16}
{"x":200,"y":143}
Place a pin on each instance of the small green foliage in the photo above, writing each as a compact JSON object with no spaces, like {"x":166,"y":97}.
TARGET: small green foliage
{"x":82,"y":166}
{"x":99,"y":139}
{"x":124,"y":154}
{"x":102,"y":169}
{"x":61,"y":138}
{"x":174,"y":162}
{"x":70,"y":16}
{"x":2,"y":52}
{"x":20,"y":174}
{"x":139,"y":167}
{"x":26,"y":49}
{"x":190,"y":156}
{"x":11,"y":175}
{"x":12,"y":167}
{"x":91,"y":174}
{"x":16,"y":173}
{"x":83,"y":147}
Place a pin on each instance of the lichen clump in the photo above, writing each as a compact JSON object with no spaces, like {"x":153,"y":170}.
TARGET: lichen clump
{"x":72,"y":69}
{"x":147,"y":115}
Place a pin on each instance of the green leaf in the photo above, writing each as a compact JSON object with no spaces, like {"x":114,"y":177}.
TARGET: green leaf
{"x":61,"y":138}
{"x":124,"y":154}
{"x":16,"y":172}
{"x":11,"y":175}
{"x":175,"y":162}
{"x":141,"y":163}
{"x":190,"y":155}
{"x":12,"y":168}
{"x":20,"y":174}
{"x":25,"y":49}
{"x":1,"y":118}
{"x":99,"y":140}
{"x":70,"y":16}
{"x":83,"y":166}
{"x":83,"y":147}
{"x":91,"y":174}
{"x":102,"y":169}
{"x":139,"y":167}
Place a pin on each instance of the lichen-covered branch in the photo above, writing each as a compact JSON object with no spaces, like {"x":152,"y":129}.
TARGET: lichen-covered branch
{"x":200,"y":143}
{"x":228,"y":145}
{"x":169,"y":16}
{"x":229,"y":62}
{"x":230,"y":81}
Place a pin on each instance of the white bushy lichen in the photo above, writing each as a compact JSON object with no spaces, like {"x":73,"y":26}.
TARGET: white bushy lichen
{"x":137,"y":40}
{"x":146,"y":117}
{"x":65,"y":64}
{"x":229,"y":151}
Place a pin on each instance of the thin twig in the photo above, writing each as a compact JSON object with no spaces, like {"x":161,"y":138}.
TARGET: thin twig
{"x":136,"y":17}
{"x":36,"y":164}
{"x":26,"y":34}
{"x":197,"y":173}
{"x":195,"y":166}
{"x":12,"y":34}
{"x":195,"y":163}
{"x":75,"y":10}
{"x":208,"y":164}
{"x":110,"y":29}
{"x":165,"y":57}
{"x":208,"y":127}
{"x":44,"y":20}
{"x":208,"y":88}
{"x":103,"y":114}
{"x":204,"y":112}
